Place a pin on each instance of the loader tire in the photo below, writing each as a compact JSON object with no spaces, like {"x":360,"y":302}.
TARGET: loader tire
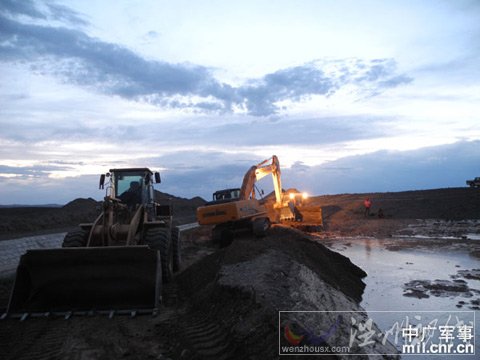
{"x":177,"y":250}
{"x":77,"y":238}
{"x":160,"y":239}
{"x":260,"y":227}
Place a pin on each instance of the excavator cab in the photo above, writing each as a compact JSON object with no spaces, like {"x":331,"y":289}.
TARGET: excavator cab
{"x":225,"y":196}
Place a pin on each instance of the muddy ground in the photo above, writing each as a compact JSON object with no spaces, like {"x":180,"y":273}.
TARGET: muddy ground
{"x":344,"y":214}
{"x":224,"y":304}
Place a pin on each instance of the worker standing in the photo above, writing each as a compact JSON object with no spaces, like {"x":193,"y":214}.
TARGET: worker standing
{"x":368,"y":204}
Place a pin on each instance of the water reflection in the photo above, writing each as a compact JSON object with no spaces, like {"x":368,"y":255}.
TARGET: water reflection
{"x":389,"y":270}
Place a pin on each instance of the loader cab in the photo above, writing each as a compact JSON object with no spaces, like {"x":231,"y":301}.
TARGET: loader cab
{"x":131,"y":186}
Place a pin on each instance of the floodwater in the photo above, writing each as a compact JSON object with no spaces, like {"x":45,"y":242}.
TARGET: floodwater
{"x":392,"y":263}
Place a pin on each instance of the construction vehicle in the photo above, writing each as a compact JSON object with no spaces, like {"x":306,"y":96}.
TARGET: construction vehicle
{"x":474,"y":183}
{"x":238,"y":208}
{"x":116,"y":263}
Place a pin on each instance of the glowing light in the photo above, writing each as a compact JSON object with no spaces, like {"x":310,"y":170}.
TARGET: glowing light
{"x":305,"y":195}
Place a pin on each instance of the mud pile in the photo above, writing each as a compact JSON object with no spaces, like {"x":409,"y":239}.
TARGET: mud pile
{"x":235,"y":296}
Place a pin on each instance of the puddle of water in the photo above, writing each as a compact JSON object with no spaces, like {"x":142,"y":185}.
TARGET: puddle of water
{"x":389,"y":270}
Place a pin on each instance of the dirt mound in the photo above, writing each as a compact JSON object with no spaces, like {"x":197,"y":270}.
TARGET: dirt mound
{"x":81,"y":204}
{"x":24,"y":221}
{"x":239,"y":291}
{"x":184,"y":210}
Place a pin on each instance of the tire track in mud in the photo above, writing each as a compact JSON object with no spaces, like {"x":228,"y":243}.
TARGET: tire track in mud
{"x":196,"y":334}
{"x":205,"y":339}
{"x":35,"y":339}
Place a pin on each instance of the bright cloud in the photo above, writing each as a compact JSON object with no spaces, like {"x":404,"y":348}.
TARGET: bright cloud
{"x":204,"y":91}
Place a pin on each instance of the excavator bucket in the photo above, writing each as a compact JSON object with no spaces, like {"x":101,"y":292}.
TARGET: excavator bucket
{"x":312,"y":219}
{"x":87,"y":279}
{"x":311,"y":214}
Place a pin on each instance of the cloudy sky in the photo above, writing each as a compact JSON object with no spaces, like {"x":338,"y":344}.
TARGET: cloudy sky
{"x":352,"y":95}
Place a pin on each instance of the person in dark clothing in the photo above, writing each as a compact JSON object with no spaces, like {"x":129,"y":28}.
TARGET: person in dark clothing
{"x":133,"y":195}
{"x":368,"y":204}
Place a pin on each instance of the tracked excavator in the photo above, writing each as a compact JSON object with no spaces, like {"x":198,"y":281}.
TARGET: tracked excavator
{"x":117,"y":263}
{"x":236,"y":209}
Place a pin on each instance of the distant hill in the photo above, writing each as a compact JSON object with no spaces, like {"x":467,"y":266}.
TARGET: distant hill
{"x":183,"y":209}
{"x":339,"y":211}
{"x":26,"y":220}
{"x":31,"y":206}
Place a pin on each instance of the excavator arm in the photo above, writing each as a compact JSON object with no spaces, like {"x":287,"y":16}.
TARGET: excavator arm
{"x":259,"y":171}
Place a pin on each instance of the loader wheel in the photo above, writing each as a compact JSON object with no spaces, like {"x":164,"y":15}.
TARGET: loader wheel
{"x":159,"y":239}
{"x":77,"y":238}
{"x":177,"y":250}
{"x":260,"y":227}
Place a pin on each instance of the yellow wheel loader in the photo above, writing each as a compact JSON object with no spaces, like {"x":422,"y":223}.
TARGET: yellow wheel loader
{"x":238,"y":209}
{"x":117,"y":263}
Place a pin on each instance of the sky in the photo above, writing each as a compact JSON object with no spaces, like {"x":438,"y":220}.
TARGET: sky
{"x":351,"y":95}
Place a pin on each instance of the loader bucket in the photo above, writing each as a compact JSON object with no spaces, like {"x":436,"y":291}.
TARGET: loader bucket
{"x":86,"y":279}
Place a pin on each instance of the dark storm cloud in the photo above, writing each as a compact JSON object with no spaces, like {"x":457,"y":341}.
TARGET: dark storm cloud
{"x":426,"y":168}
{"x":294,"y":84}
{"x":25,"y":7}
{"x":77,"y":58}
{"x":37,"y":170}
{"x":52,"y":11}
{"x":301,"y":82}
{"x":381,"y":171}
{"x":63,"y":13}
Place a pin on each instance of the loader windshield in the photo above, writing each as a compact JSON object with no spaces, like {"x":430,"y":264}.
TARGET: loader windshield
{"x":128,"y":187}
